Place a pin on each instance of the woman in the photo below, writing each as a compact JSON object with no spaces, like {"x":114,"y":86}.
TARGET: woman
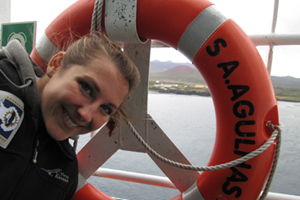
{"x":83,"y":88}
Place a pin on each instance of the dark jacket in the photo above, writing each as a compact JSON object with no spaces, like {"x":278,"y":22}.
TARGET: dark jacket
{"x":32,"y":165}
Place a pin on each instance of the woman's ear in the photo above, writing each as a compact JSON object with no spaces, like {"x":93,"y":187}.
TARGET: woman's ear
{"x":54,"y":63}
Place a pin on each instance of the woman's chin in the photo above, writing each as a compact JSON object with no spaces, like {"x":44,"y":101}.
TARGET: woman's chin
{"x":58,"y":135}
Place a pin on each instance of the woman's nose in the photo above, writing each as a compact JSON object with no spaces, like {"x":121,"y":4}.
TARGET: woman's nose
{"x":86,"y":112}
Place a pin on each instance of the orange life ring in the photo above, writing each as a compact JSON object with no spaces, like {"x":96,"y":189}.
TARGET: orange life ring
{"x":240,"y":86}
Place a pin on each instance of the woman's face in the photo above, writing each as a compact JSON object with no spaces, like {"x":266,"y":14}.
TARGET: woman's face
{"x":80,"y":99}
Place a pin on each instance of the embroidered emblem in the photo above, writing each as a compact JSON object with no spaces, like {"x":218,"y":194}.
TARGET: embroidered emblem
{"x":11,"y":117}
{"x":58,"y":174}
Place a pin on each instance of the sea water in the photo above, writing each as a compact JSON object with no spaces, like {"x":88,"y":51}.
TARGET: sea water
{"x":190,"y":123}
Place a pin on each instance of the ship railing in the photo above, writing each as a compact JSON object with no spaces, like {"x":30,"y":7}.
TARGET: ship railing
{"x":161,"y":181}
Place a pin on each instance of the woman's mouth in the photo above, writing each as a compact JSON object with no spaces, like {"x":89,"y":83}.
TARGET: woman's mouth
{"x":69,"y":120}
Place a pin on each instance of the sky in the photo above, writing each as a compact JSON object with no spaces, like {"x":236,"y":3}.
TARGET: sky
{"x":254,"y":16}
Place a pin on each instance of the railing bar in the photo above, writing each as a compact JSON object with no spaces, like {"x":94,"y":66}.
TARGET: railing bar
{"x":275,"y":15}
{"x":274,"y":22}
{"x":135,"y":177}
{"x":258,"y":40}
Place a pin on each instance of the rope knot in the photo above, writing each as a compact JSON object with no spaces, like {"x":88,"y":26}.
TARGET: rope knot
{"x":270,"y":125}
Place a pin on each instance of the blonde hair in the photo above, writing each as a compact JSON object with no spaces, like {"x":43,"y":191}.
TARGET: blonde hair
{"x":89,"y":47}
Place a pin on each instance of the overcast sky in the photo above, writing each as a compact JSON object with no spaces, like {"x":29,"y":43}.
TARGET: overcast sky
{"x":254,"y":16}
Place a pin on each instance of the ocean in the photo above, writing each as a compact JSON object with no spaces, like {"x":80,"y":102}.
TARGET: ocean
{"x":190,"y":123}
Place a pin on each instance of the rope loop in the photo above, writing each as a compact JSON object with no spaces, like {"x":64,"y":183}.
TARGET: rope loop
{"x":205,"y":168}
{"x":276,"y":134}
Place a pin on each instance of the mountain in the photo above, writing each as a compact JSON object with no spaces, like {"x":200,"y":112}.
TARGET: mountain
{"x":182,"y":69}
{"x":285,"y":82}
{"x":186,"y":72}
{"x":158,"y":66}
{"x":180,"y":73}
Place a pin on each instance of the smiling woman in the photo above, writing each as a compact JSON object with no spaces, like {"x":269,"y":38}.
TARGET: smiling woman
{"x":95,"y":85}
{"x":83,"y":88}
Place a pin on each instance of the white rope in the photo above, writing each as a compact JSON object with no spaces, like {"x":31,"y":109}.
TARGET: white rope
{"x":276,"y":133}
{"x":96,"y":18}
{"x":205,"y":168}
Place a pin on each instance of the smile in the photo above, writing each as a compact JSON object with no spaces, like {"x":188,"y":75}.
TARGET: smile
{"x":69,"y":121}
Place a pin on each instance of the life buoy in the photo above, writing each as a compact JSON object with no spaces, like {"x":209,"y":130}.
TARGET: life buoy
{"x":240,"y":86}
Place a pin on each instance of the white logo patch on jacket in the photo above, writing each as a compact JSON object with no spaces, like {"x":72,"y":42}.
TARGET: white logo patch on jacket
{"x":58,"y":174}
{"x":11,"y":117}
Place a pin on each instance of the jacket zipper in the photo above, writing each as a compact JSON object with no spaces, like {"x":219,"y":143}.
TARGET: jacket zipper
{"x":35,"y":155}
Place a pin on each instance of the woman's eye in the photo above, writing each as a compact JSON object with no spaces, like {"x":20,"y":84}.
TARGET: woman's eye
{"x":86,"y":88}
{"x":106,"y":109}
